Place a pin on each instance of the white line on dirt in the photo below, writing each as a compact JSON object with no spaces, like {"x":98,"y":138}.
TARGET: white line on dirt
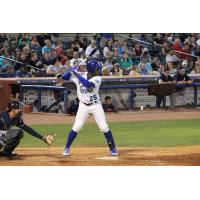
{"x":107,"y":158}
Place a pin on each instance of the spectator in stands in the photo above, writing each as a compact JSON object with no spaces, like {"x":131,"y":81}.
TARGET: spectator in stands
{"x":107,"y":49}
{"x":12,"y":45}
{"x":187,"y":67}
{"x":134,"y":71}
{"x":158,"y":40}
{"x":34,"y":60}
{"x":41,"y":38}
{"x":4,"y":65}
{"x":105,"y":72}
{"x":24,"y":40}
{"x":64,"y":59}
{"x":59,"y":48}
{"x":90,"y":48}
{"x":143,"y":37}
{"x":186,"y":50}
{"x":142,"y":69}
{"x":45,"y":61}
{"x":198,"y":42}
{"x":108,"y":106}
{"x":48,"y":46}
{"x":117,"y":45}
{"x":138,"y":52}
{"x":171,"y":57}
{"x":53,"y":54}
{"x":164,"y":50}
{"x":27,"y":52}
{"x":55,"y":68}
{"x":165,"y":78}
{"x":79,"y":48}
{"x":109,"y":62}
{"x":116,"y":57}
{"x":181,"y":78}
{"x":128,"y":48}
{"x":35,"y":44}
{"x":196,"y":69}
{"x":155,"y":64}
{"x":125,"y":64}
{"x":23,"y":59}
{"x":17,"y":54}
{"x":147,"y":65}
{"x":115,"y":71}
{"x":22,"y":72}
{"x":161,"y":68}
{"x":173,"y":69}
{"x":177,"y":45}
{"x":145,"y":57}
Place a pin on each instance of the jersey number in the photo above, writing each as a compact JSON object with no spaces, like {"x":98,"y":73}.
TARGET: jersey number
{"x":93,"y":98}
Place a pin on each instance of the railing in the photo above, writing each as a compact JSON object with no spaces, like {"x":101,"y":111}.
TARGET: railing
{"x":132,"y":87}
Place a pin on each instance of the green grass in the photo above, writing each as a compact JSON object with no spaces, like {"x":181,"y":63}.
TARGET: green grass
{"x":126,"y":134}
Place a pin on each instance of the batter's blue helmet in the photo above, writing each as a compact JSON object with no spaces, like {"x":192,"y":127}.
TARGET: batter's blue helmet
{"x":93,"y":66}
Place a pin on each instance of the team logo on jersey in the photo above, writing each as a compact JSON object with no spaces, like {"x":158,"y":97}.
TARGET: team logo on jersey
{"x":85,"y":90}
{"x":97,"y":81}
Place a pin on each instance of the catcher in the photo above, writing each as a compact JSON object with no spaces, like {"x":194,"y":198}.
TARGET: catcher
{"x":10,"y":135}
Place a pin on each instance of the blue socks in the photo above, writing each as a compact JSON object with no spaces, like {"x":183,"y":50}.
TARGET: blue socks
{"x":71,"y":137}
{"x":110,"y":140}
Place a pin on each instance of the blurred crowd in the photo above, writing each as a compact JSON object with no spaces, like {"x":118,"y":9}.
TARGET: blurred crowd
{"x":42,"y":55}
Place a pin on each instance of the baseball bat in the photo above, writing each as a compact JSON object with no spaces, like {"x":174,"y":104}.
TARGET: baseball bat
{"x":91,"y":54}
{"x":19,"y":62}
{"x":116,"y":91}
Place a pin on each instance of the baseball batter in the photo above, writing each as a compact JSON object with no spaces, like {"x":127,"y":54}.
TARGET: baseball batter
{"x":88,"y":84}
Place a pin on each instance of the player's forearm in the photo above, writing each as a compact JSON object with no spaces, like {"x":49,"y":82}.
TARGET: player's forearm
{"x":84,"y":81}
{"x":31,"y":131}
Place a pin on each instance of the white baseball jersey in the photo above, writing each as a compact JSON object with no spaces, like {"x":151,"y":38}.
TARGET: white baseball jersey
{"x":85,"y":95}
{"x":89,"y":103}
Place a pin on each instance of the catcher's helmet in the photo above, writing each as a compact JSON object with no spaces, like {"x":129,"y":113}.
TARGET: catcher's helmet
{"x":15,"y":105}
{"x":93,"y":66}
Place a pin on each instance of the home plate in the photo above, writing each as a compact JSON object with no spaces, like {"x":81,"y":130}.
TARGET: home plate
{"x":108,"y":158}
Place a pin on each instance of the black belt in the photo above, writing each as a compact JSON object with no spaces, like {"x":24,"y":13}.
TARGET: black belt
{"x":89,"y":104}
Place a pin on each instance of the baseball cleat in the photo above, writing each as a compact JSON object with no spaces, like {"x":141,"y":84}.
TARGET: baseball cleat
{"x":114,"y":152}
{"x":66,"y":152}
{"x":7,"y":155}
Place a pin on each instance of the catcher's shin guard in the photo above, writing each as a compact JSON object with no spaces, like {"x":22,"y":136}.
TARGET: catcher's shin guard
{"x":12,"y":143}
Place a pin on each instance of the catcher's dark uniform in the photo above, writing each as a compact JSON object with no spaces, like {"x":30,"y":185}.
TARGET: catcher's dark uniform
{"x":11,"y":136}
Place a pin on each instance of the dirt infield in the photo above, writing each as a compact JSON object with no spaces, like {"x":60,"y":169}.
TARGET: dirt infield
{"x":176,"y":156}
{"x":180,"y":156}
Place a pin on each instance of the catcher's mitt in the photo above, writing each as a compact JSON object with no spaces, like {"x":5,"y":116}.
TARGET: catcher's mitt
{"x":49,"y":138}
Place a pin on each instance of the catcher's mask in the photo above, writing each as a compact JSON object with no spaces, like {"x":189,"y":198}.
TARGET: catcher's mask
{"x":15,"y":105}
